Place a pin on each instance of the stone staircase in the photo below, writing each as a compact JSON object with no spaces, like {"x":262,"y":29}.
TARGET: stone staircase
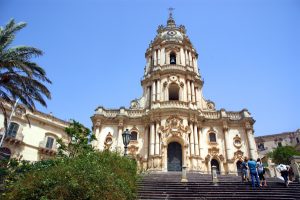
{"x":200,"y":186}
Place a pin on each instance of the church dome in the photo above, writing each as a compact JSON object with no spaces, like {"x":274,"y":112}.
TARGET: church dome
{"x":171,"y":35}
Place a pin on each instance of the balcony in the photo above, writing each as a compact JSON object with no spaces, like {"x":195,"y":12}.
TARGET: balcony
{"x":173,"y":67}
{"x":174,"y":104}
{"x":44,"y":149}
{"x":14,"y":139}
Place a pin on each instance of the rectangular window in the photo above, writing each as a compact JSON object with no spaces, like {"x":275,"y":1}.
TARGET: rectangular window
{"x":49,"y":143}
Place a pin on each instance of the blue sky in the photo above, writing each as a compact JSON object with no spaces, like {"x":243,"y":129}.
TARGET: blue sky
{"x":249,"y":52}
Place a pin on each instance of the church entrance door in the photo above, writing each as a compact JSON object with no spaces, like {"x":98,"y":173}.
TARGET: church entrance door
{"x":174,"y":157}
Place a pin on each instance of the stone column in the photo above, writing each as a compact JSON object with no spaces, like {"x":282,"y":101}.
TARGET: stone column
{"x":186,"y":57}
{"x":182,"y":59}
{"x":158,"y":90}
{"x":154,"y":58}
{"x":146,"y":142}
{"x":227,"y":143}
{"x":120,"y":131}
{"x":201,"y":143}
{"x":153,"y":91}
{"x":251,"y":141}
{"x":184,"y":93}
{"x":192,"y":142}
{"x":197,"y":97}
{"x":196,"y":65}
{"x":193,"y":91}
{"x":196,"y":140}
{"x":162,"y":56}
{"x":190,"y":59}
{"x":157,"y":142}
{"x":189,"y":91}
{"x":158,"y":57}
{"x":152,"y":142}
{"x":148,"y":97}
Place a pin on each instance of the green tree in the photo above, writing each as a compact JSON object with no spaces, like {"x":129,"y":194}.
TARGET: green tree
{"x":20,"y":78}
{"x":80,"y":142}
{"x":282,"y":155}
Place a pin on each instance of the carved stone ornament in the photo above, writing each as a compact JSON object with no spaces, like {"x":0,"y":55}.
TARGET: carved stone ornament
{"x":237,"y":141}
{"x":108,"y":141}
{"x":174,"y":127}
{"x":173,"y":79}
{"x":248,"y":126}
{"x":133,"y":149}
{"x":213,"y":151}
{"x":238,"y":154}
{"x":98,"y":124}
{"x":211,"y":105}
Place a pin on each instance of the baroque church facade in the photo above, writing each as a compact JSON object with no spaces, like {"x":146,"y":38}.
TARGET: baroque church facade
{"x":172,"y":124}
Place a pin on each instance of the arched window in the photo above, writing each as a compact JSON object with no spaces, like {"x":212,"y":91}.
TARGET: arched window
{"x":173,"y":92}
{"x":297,"y":139}
{"x":49,"y":142}
{"x":212,"y":137}
{"x":173,"y":58}
{"x":12,"y":129}
{"x":134,"y":135}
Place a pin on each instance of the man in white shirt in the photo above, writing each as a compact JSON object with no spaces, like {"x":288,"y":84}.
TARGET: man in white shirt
{"x":284,"y":171}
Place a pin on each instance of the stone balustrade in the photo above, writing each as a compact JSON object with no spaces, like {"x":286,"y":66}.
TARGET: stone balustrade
{"x":173,"y":67}
{"x":174,"y":104}
{"x":234,"y":115}
{"x":212,"y":115}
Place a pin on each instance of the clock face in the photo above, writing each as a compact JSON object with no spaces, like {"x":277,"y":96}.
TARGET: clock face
{"x":172,"y":33}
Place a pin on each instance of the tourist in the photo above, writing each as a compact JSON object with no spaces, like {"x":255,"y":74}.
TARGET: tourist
{"x":244,"y":168}
{"x":253,"y":172}
{"x":261,"y":172}
{"x":284,"y":171}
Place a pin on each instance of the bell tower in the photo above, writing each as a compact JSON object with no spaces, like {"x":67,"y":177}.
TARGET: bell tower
{"x":171,"y":72}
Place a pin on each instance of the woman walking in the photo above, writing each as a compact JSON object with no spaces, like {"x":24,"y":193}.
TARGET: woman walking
{"x":261,"y":172}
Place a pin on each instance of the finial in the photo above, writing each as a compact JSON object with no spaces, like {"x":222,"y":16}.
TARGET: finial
{"x":171,"y":22}
{"x":171,"y":12}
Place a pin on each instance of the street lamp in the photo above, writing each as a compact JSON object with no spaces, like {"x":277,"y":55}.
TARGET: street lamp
{"x":126,"y":139}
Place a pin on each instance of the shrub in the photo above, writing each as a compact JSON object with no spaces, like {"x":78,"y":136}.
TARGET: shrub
{"x":95,"y":175}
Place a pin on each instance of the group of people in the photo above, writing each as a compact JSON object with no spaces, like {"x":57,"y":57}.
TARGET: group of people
{"x":257,"y":172}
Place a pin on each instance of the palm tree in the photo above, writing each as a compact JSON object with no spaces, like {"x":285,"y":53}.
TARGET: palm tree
{"x":20,"y":78}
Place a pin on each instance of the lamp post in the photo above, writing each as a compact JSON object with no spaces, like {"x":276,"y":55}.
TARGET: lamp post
{"x":126,"y":139}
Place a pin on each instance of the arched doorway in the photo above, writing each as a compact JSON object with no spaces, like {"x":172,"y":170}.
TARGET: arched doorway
{"x":214,"y":162}
{"x":174,"y":157}
{"x":238,"y":167}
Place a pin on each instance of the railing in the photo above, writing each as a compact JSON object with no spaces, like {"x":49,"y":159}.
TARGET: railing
{"x":174,"y":104}
{"x":211,"y":115}
{"x":173,"y":67}
{"x":43,"y":145}
{"x":135,"y":113}
{"x":19,"y":136}
{"x":234,"y":115}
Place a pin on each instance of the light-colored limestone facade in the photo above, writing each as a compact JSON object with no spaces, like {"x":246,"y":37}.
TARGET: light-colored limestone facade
{"x":172,"y":124}
{"x":31,"y":135}
{"x":268,"y":143}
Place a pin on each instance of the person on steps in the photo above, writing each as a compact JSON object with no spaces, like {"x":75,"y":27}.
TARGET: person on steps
{"x":284,"y":171}
{"x":253,"y":173}
{"x":261,"y":172}
{"x":244,"y":168}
